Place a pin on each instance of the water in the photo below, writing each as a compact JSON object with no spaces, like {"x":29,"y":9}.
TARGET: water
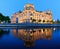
{"x":30,"y":38}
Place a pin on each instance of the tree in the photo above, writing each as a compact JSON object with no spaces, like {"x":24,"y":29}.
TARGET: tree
{"x":58,"y":21}
{"x":1,"y":17}
{"x":4,"y":18}
{"x":20,"y":11}
{"x":7,"y":19}
{"x":1,"y":14}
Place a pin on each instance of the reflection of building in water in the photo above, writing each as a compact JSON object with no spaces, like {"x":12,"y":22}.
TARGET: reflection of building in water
{"x":30,"y":35}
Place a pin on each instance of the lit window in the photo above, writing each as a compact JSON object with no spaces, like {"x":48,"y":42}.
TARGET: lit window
{"x":27,"y":8}
{"x":31,"y":14}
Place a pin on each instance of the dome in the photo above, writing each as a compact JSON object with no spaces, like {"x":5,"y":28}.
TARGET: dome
{"x":48,"y":11}
{"x":27,"y":5}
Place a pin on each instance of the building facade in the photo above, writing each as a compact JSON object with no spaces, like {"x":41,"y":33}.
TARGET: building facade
{"x":31,"y":15}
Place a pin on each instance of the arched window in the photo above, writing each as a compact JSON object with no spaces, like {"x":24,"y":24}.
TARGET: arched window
{"x":43,"y":20}
{"x":16,"y":20}
{"x":39,"y":20}
{"x":31,"y":14}
{"x":27,"y":8}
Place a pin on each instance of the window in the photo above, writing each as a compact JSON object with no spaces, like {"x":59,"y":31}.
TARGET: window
{"x":30,"y":7}
{"x":39,"y":20}
{"x":31,"y":14}
{"x":31,"y":18}
{"x":43,"y":20}
{"x":27,"y":8}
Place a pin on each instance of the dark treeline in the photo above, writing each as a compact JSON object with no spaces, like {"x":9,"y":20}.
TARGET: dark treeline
{"x":3,"y":32}
{"x":4,"y":19}
{"x":56,"y":21}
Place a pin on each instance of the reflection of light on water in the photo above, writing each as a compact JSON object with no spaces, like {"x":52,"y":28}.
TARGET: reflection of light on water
{"x":31,"y":35}
{"x":54,"y":28}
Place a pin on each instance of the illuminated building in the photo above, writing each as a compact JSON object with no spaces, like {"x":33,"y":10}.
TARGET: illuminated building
{"x":29,"y":14}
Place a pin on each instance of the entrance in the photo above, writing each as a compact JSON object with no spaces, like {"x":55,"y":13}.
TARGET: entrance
{"x":16,"y":20}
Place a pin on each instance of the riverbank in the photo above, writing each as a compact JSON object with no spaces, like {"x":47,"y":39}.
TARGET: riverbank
{"x":25,"y":25}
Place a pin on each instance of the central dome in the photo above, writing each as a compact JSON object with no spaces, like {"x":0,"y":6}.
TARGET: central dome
{"x":28,"y":6}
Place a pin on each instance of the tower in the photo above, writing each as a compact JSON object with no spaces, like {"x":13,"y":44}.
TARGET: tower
{"x":28,"y":8}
